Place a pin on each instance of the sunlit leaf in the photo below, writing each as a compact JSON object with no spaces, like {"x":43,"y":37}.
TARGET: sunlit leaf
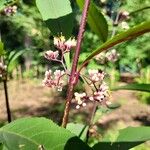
{"x":57,"y":15}
{"x":67,"y":60}
{"x":53,"y":9}
{"x":96,"y":20}
{"x":35,"y":133}
{"x":78,"y":129}
{"x":127,"y":138}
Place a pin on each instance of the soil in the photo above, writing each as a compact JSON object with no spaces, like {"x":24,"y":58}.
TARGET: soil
{"x":30,"y":98}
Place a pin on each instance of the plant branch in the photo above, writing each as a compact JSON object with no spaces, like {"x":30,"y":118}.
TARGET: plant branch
{"x":74,"y":77}
{"x":138,"y":10}
{"x":4,"y":78}
{"x":7,"y":100}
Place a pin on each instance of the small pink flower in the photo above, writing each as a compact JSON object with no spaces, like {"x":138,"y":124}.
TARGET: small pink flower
{"x":80,"y":98}
{"x":124,"y":15}
{"x":100,"y":96}
{"x":70,"y":43}
{"x":10,"y":10}
{"x":50,"y":55}
{"x":62,"y":44}
{"x":102,"y":93}
{"x":59,"y":42}
{"x":112,"y":55}
{"x":95,"y":75}
{"x":58,"y":74}
{"x":54,"y":80}
{"x":104,"y":87}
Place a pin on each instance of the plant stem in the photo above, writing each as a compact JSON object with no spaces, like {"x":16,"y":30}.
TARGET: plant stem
{"x":74,"y":76}
{"x":4,"y":77}
{"x":91,"y":119}
{"x":7,"y":100}
{"x":141,"y":9}
{"x":115,"y":24}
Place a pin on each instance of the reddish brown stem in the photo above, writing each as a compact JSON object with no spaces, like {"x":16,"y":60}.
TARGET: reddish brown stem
{"x":73,"y":75}
{"x":7,"y":101}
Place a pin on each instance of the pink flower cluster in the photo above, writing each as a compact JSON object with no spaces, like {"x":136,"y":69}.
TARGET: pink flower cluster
{"x":95,"y":78}
{"x":124,"y":15}
{"x":54,"y":80}
{"x":111,"y":56}
{"x":50,"y":55}
{"x":81,"y":99}
{"x":100,"y":96}
{"x":10,"y":10}
{"x":96,"y":75}
{"x":62,"y":44}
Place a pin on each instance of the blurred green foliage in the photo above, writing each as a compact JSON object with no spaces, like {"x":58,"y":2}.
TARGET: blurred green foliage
{"x":144,"y":78}
{"x":25,"y":31}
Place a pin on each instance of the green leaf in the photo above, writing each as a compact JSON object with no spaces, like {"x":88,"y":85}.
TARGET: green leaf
{"x":2,"y":147}
{"x":119,"y":38}
{"x":33,"y":133}
{"x":2,"y":4}
{"x":2,"y":51}
{"x":57,"y":15}
{"x":134,"y":86}
{"x":53,"y":9}
{"x":127,"y":138}
{"x":96,"y":20}
{"x":78,"y":129}
{"x":13,"y":56}
{"x":67,"y":60}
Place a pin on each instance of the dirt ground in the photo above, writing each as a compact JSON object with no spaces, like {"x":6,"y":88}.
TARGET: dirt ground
{"x":30,"y":98}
